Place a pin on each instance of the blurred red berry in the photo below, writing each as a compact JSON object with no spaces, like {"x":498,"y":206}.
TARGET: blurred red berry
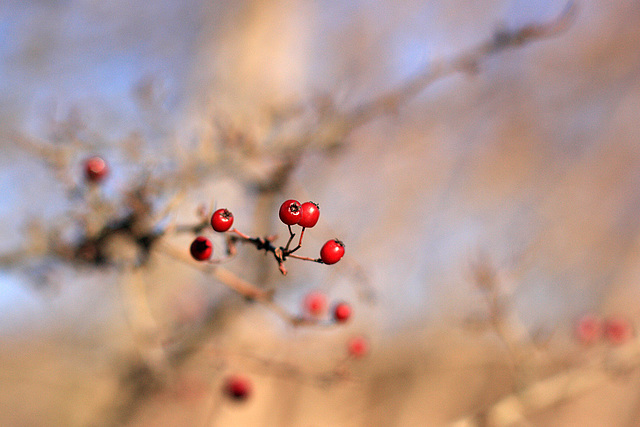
{"x":332,"y":251}
{"x":315,"y":303}
{"x":589,"y":329}
{"x":95,"y":169}
{"x":358,"y":346}
{"x":342,"y":312}
{"x":237,"y":388}
{"x":201,"y":248}
{"x":309,"y":214}
{"x":222,"y":220}
{"x":617,"y":330}
{"x":290,"y":212}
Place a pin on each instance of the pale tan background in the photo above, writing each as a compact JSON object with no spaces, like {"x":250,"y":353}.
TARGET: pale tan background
{"x":533,"y":162}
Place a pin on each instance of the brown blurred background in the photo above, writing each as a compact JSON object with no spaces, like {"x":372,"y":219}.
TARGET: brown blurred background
{"x":528,"y":167}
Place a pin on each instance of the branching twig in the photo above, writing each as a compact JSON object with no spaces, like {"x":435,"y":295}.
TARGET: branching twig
{"x":332,"y":127}
{"x":229,"y":279}
{"x":280,"y":253}
{"x":467,"y":61}
{"x":242,"y":287}
{"x":554,"y":390}
{"x":291,"y":371}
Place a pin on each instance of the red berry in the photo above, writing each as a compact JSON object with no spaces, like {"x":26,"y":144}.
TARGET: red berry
{"x":310,"y":213}
{"x":315,"y":303}
{"x":95,"y":169}
{"x":617,"y":330}
{"x":342,"y":312}
{"x":222,"y":220}
{"x":589,"y":329}
{"x":358,"y":346}
{"x":201,"y":248}
{"x":332,"y":251}
{"x":290,"y":212}
{"x":237,"y":388}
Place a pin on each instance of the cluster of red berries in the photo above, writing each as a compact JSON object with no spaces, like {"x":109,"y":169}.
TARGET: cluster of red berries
{"x":315,"y":305}
{"x":201,"y":247}
{"x":291,"y":212}
{"x":616,"y":330}
{"x":306,"y":215}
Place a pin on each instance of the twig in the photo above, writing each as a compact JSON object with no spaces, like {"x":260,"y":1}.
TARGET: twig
{"x":242,"y":287}
{"x":225,"y":276}
{"x":564,"y":386}
{"x":280,"y":253}
{"x":464,"y":62}
{"x":331,"y":129}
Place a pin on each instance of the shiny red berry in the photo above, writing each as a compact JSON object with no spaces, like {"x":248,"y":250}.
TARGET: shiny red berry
{"x":222,"y":220}
{"x":201,"y":248}
{"x":358,"y":346}
{"x":309,"y":214}
{"x":341,"y":312}
{"x":589,"y":329}
{"x":315,"y":303}
{"x":332,"y":251}
{"x":237,"y":388}
{"x":617,"y":330}
{"x":290,"y":212}
{"x":95,"y":169}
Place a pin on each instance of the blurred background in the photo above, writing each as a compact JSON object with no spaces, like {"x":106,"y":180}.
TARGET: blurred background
{"x":481,"y":217}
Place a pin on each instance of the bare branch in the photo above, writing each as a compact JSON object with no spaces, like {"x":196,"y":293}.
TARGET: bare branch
{"x":564,"y":386}
{"x":465,"y":62}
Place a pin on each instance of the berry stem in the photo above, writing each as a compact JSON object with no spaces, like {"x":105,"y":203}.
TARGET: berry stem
{"x":291,"y":236}
{"x":306,"y":258}
{"x":289,"y":252}
{"x":241,"y":234}
{"x":264,"y":243}
{"x":280,"y":253}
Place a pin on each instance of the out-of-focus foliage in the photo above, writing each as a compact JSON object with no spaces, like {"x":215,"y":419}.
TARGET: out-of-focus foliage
{"x":526,"y":166}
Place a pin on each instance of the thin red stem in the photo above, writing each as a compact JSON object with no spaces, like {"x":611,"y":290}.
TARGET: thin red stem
{"x":240,"y":233}
{"x":291,"y":236}
{"x":299,"y":243}
{"x":306,"y":258}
